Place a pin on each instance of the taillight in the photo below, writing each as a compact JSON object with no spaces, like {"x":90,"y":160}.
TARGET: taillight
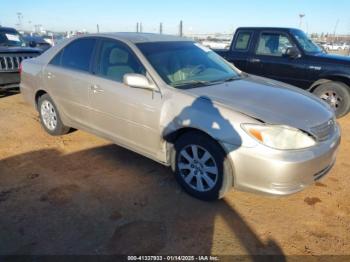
{"x":20,"y":68}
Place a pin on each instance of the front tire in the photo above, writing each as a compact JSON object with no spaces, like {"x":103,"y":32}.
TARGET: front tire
{"x":337,"y":95}
{"x":201,"y":166}
{"x":50,"y":118}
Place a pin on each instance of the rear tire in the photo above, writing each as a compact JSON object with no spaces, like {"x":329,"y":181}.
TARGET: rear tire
{"x":337,"y":95}
{"x":50,"y":118}
{"x":201,"y":166}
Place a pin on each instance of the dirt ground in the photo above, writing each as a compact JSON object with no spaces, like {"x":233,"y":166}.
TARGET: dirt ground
{"x":79,"y":194}
{"x":340,"y":52}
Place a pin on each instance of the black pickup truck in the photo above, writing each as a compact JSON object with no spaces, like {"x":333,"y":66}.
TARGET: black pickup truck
{"x":13,"y":51}
{"x":288,"y":55}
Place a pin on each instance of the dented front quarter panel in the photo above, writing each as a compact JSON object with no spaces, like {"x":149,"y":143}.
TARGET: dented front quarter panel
{"x":186,"y":110}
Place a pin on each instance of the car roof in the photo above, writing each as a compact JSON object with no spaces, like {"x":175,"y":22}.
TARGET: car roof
{"x":7,"y":29}
{"x":142,"y":37}
{"x":268,"y":28}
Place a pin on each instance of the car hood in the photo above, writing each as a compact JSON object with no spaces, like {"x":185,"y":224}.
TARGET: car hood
{"x":339,"y":59}
{"x":18,"y":49}
{"x":268,"y":101}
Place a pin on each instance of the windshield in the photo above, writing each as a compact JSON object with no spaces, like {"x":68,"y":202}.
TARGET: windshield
{"x":11,"y":38}
{"x":305,"y":42}
{"x":187,"y":64}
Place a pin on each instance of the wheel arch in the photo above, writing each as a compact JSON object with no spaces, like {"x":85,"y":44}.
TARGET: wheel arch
{"x":39,"y":93}
{"x":173,"y":136}
{"x":329,"y":78}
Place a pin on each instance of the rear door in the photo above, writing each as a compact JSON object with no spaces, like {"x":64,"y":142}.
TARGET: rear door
{"x":239,"y":53}
{"x":68,"y":79}
{"x":130,"y":116}
{"x":269,"y":59}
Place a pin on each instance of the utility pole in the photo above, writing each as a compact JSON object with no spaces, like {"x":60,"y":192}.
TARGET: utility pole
{"x":19,"y":17}
{"x":335,"y":30}
{"x":98,"y":28}
{"x":137,"y":27}
{"x":301,"y":16}
{"x":30,"y":25}
{"x":161,"y":28}
{"x":37,"y":28}
{"x":348,"y":35}
{"x":181,"y":29}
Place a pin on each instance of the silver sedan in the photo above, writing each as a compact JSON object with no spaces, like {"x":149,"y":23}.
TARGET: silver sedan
{"x":177,"y":102}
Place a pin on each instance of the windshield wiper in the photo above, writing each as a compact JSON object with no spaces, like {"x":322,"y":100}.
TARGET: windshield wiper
{"x":8,"y":45}
{"x":233,"y":78}
{"x":230,"y":79}
{"x":192,"y":83}
{"x":199,"y":83}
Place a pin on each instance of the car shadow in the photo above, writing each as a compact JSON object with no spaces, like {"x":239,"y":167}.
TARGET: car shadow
{"x":109,"y":200}
{"x":10,"y":92}
{"x":212,"y":122}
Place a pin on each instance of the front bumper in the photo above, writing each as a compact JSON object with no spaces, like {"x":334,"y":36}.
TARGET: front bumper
{"x":9,"y":80}
{"x":265,"y":170}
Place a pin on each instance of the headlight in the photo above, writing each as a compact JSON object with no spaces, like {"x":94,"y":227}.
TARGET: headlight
{"x":279,"y":137}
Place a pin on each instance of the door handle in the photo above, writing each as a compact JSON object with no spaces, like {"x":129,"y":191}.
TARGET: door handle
{"x":50,"y":75}
{"x":254,"y":60}
{"x":96,"y":89}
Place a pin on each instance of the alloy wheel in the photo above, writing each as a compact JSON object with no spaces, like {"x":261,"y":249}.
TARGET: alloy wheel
{"x":198,"y":168}
{"x":48,"y":115}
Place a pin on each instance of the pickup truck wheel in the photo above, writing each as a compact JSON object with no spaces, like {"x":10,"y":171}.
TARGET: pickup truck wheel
{"x":50,"y":118}
{"x":337,"y":95}
{"x":199,"y":166}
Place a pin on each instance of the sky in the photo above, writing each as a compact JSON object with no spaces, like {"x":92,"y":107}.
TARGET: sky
{"x":199,"y":16}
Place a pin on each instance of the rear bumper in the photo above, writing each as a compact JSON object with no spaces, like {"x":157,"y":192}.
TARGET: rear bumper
{"x":9,"y":80}
{"x":264,"y":170}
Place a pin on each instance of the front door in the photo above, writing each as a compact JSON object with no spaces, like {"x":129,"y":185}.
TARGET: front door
{"x":130,"y":116}
{"x":269,"y":60}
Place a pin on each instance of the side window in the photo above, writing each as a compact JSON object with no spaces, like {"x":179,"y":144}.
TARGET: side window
{"x":242,"y":41}
{"x":273,"y":44}
{"x":57,"y":59}
{"x":78,"y":54}
{"x":116,"y":60}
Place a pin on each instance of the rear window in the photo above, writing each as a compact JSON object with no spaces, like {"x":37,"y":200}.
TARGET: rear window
{"x":77,"y":55}
{"x":10,"y":37}
{"x":242,"y":40}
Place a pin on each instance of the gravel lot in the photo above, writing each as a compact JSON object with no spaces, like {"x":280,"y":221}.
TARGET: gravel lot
{"x":79,"y":194}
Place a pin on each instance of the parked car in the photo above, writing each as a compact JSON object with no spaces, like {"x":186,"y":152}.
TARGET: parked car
{"x":37,"y":42}
{"x":13,"y":51}
{"x":216,"y":44}
{"x":179,"y":103}
{"x":288,"y":55}
{"x":337,"y":46}
{"x":346,"y":46}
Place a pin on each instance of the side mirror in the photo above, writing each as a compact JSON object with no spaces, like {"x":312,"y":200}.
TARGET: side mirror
{"x":32,"y":44}
{"x":138,"y":81}
{"x":293,"y":52}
